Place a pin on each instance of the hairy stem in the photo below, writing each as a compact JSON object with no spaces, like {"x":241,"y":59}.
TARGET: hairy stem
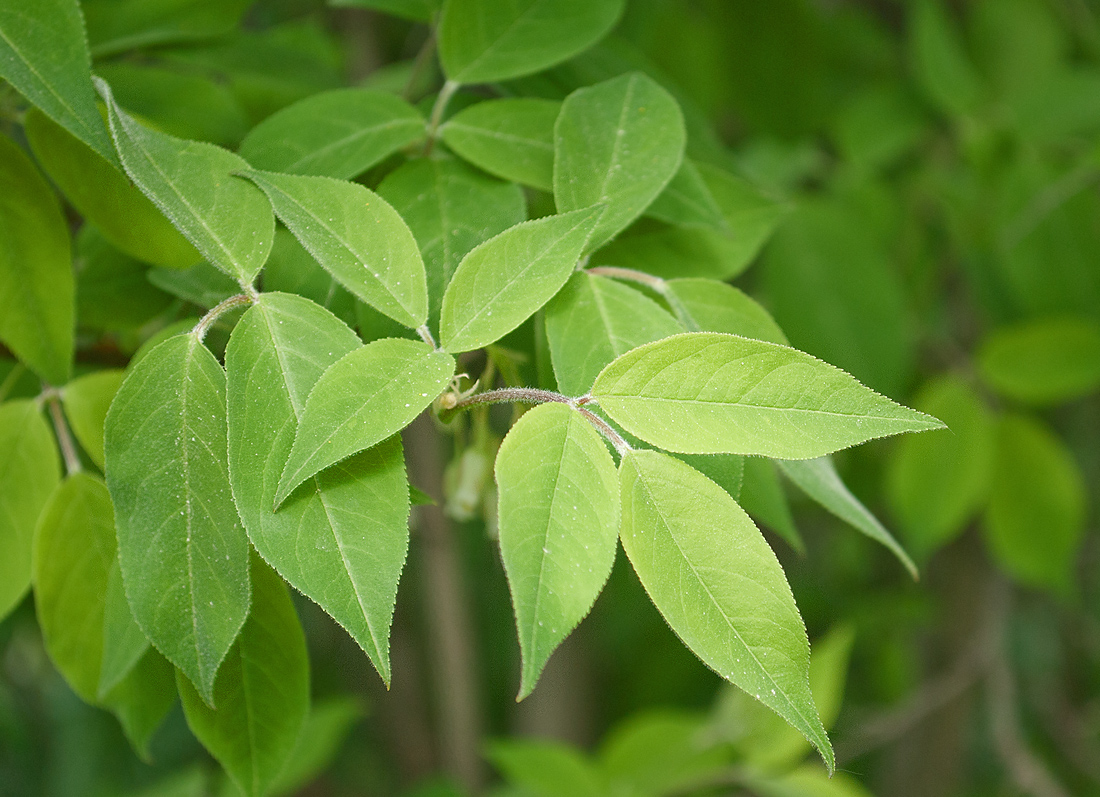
{"x":208,"y":320}
{"x":657,"y":284}
{"x":441,"y":102}
{"x":64,"y":436}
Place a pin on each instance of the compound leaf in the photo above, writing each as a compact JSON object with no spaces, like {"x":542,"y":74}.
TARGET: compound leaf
{"x":364,"y":397}
{"x":709,"y":393}
{"x":559,"y":520}
{"x":717,"y":583}
{"x":183,"y":552}
{"x":36,"y":275}
{"x":502,"y":282}
{"x":483,"y":41}
{"x":352,"y":519}
{"x":227,"y":218}
{"x":617,"y":143}
{"x":512,"y":138}
{"x":29,"y":471}
{"x":358,"y":238}
{"x":339,"y":133}
{"x":262,"y":691}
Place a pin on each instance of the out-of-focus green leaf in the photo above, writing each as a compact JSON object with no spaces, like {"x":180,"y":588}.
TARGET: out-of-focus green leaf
{"x":36,"y":276}
{"x":29,"y":471}
{"x":718,"y":584}
{"x":113,"y":291}
{"x":617,"y":143}
{"x":86,"y":400}
{"x":879,"y":125}
{"x":510,"y":138}
{"x":502,"y":282}
{"x":762,"y":497}
{"x":1037,"y":505}
{"x":262,"y":691}
{"x":559,"y":522}
{"x":118,"y":25}
{"x":937,"y":482}
{"x":709,"y":393}
{"x":546,"y":769}
{"x":44,"y":55}
{"x":415,"y":10}
{"x":593,"y":320}
{"x":325,"y":731}
{"x":687,"y":201}
{"x":808,"y":781}
{"x":481,"y":41}
{"x":940,"y":64}
{"x":1042,"y":362}
{"x":339,"y":133}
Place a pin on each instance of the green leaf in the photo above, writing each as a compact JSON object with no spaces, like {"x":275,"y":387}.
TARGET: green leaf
{"x":291,"y":269}
{"x":546,"y":769}
{"x":339,"y":133}
{"x":762,"y":496}
{"x":143,"y":699}
{"x":1037,"y":505}
{"x":717,"y":307}
{"x":593,"y":320}
{"x":36,"y":278}
{"x":44,"y":55}
{"x":709,"y":393}
{"x":193,"y":185}
{"x":357,"y":237}
{"x":86,"y":400}
{"x":364,"y":397}
{"x":324,"y":733}
{"x":954,"y":465}
{"x":687,"y":201}
{"x":118,"y":25}
{"x":415,"y":10}
{"x":511,"y":138}
{"x":262,"y":691}
{"x":718,"y":584}
{"x":124,"y":644}
{"x":113,"y":292}
{"x":29,"y":471}
{"x":183,"y":552}
{"x":807,"y":781}
{"x":450,"y":209}
{"x":502,"y":282}
{"x":105,"y":196}
{"x":725,"y":470}
{"x":617,"y":143}
{"x":559,"y":522}
{"x":353,"y":518}
{"x":820,"y":481}
{"x":201,"y":284}
{"x":672,"y":251}
{"x":660,"y":752}
{"x":1042,"y":362}
{"x":483,"y":41}
{"x":941,"y":66}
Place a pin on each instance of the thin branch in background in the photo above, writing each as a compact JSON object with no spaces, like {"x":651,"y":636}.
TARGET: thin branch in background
{"x":64,"y":437}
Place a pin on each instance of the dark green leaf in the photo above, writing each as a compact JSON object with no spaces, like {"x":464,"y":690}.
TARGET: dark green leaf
{"x":482,"y":41}
{"x":291,"y":269}
{"x":502,"y":282}
{"x":416,"y":10}
{"x":942,"y":68}
{"x":339,"y":133}
{"x":510,"y":138}
{"x":118,"y":25}
{"x":687,"y":201}
{"x":36,"y":277}
{"x":183,"y":552}
{"x":617,"y":143}
{"x":113,"y":292}
{"x":325,"y":731}
{"x":559,"y":522}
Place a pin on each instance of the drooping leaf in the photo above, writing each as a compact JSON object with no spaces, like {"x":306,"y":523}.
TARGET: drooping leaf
{"x":511,"y":138}
{"x":709,"y":393}
{"x":118,"y":25}
{"x":1037,"y":505}
{"x":360,"y":400}
{"x":183,"y":552}
{"x":559,"y":521}
{"x":483,"y":41}
{"x":262,"y":691}
{"x":450,"y":209}
{"x":593,"y":320}
{"x":954,"y":465}
{"x":357,"y":237}
{"x":339,"y":133}
{"x":687,"y":201}
{"x":673,"y":251}
{"x":762,"y":496}
{"x":292,"y":269}
{"x":36,"y":277}
{"x":226,"y":218}
{"x":717,"y":307}
{"x":820,"y":481}
{"x":124,"y":644}
{"x":106,"y":197}
{"x":201,"y":284}
{"x":29,"y":471}
{"x":1043,"y":362}
{"x":353,"y":518}
{"x":44,"y":55}
{"x":717,"y":583}
{"x":619,"y":143}
{"x":502,"y":282}
{"x":546,"y":768}
{"x":86,"y":400}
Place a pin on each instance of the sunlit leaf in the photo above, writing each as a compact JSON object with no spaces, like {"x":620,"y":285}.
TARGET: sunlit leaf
{"x":511,"y":138}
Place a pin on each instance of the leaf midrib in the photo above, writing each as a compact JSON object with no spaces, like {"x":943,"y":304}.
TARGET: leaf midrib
{"x":742,"y":405}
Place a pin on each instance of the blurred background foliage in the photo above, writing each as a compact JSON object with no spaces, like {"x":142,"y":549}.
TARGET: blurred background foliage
{"x":937,"y":167}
